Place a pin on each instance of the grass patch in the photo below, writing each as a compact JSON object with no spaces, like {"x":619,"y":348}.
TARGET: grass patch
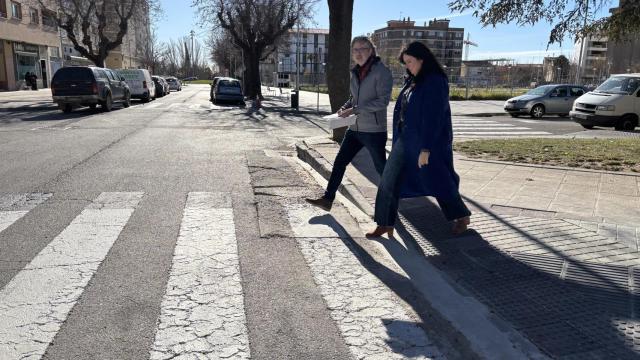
{"x":598,"y":154}
{"x":208,"y":82}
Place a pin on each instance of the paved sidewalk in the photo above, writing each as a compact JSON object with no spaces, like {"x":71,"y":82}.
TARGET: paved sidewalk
{"x":552,"y":251}
{"x":27,"y":100}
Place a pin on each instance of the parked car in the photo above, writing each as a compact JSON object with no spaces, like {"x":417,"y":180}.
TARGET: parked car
{"x":190,"y":78}
{"x":213,"y":84}
{"x":140,"y":83}
{"x":88,"y":86}
{"x":174,"y":83}
{"x":614,"y":103}
{"x":545,"y":100}
{"x":228,"y":90}
{"x":162,"y":88}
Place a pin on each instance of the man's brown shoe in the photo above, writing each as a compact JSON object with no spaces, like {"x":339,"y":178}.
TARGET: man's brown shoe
{"x":322,"y":203}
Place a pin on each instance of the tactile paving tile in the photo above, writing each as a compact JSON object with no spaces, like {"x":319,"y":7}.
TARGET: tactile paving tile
{"x":566,"y":309}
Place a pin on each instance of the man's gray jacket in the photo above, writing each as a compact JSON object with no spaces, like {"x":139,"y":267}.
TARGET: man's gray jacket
{"x":370,"y":98}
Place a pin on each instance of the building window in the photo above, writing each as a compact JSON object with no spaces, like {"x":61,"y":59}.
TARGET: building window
{"x":49,"y":20}
{"x":3,"y":9}
{"x":16,"y":10}
{"x":33,"y":13}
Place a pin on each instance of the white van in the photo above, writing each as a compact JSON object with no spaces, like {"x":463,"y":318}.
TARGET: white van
{"x":614,"y":103}
{"x":140,"y":83}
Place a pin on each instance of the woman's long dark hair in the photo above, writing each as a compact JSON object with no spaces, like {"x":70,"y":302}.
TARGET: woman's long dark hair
{"x":430,"y":64}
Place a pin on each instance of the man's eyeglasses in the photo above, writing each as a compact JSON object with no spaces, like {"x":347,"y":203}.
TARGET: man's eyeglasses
{"x":360,"y":50}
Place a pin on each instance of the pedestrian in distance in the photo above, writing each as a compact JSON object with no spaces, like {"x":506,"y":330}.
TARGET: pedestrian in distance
{"x":421,"y":159}
{"x":34,"y":81}
{"x":370,"y":87}
{"x":27,"y":79}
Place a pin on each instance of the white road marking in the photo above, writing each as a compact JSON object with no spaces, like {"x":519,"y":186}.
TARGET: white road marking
{"x":502,"y":133}
{"x":14,"y":206}
{"x":36,"y":302}
{"x":202,"y":313}
{"x":372,"y":322}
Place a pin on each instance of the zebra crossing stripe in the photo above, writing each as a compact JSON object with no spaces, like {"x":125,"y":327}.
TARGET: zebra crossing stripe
{"x":485,"y":125}
{"x":455,"y":128}
{"x":479,"y":133}
{"x":15,"y":206}
{"x":202,"y":312}
{"x":36,"y":302}
{"x":371,"y":320}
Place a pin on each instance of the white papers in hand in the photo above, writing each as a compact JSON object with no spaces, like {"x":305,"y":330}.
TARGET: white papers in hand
{"x":336,"y":121}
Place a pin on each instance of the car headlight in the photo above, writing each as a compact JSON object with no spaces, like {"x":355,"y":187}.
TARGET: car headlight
{"x":606,"y":107}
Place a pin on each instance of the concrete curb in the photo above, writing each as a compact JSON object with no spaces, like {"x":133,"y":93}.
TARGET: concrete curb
{"x":29,"y":108}
{"x":323,"y":167}
{"x":542,"y":166}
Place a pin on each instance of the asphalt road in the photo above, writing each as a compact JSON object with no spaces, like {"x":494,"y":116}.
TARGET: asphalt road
{"x":179,"y":228}
{"x":93,"y":206}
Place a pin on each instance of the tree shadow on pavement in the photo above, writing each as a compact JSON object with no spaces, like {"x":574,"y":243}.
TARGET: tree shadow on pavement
{"x":400,"y":332}
{"x":569,"y":309}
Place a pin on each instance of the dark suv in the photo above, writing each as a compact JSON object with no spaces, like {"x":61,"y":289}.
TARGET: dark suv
{"x":88,"y":86}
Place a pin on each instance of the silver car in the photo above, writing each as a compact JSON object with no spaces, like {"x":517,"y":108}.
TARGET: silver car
{"x":546,"y":99}
{"x":174,"y":83}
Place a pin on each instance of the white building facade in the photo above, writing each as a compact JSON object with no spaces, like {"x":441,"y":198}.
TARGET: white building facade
{"x":300,"y":57}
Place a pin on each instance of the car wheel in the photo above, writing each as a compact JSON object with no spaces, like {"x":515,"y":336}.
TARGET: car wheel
{"x":627,"y":123}
{"x":514,"y":115}
{"x":107,"y":104}
{"x":66,"y":108}
{"x":127,"y":100}
{"x":588,"y":127}
{"x":537,"y":111}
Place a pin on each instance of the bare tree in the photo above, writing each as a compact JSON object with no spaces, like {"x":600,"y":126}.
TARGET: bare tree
{"x":223,"y":52}
{"x":95,"y":27}
{"x":254,"y":25}
{"x":339,"y":55}
{"x":153,"y":51}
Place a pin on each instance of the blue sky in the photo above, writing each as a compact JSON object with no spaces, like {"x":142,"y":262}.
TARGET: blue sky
{"x":524,"y":44}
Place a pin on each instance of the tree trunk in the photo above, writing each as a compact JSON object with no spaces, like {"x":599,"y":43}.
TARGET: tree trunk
{"x":339,"y":56}
{"x":251,"y":76}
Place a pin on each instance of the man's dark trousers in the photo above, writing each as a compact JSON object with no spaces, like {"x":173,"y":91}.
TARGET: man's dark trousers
{"x":353,"y":142}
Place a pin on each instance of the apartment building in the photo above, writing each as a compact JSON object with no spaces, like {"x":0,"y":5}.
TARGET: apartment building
{"x":280,"y":68}
{"x":29,"y":42}
{"x":444,"y":41}
{"x":592,"y":62}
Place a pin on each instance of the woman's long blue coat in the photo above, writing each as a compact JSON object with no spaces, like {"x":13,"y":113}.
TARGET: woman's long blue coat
{"x":427,"y":120}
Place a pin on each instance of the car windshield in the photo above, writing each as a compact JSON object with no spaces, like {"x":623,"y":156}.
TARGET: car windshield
{"x":540,"y":90}
{"x":73,"y":74}
{"x":229,"y":83}
{"x":619,"y":85}
{"x":171,"y":80}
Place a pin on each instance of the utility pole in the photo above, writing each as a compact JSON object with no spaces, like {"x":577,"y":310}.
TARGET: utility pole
{"x":192,"y":60}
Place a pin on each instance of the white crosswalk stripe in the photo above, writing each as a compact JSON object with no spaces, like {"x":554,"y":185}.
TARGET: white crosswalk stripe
{"x":372,"y":322}
{"x":465,"y":127}
{"x":14,"y":207}
{"x":36,"y":302}
{"x":202,"y":312}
